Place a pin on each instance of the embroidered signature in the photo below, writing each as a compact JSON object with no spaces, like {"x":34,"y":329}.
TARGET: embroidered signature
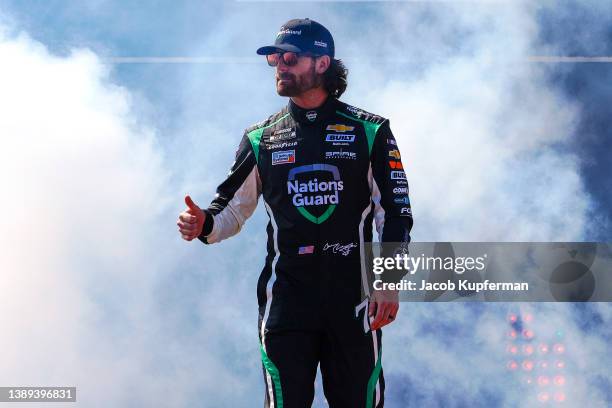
{"x":337,"y":248}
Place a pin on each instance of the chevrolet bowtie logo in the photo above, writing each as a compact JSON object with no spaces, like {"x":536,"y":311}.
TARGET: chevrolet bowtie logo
{"x":340,"y":128}
{"x":395,"y":154}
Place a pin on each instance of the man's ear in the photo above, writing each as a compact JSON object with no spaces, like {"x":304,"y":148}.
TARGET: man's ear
{"x":322,"y":64}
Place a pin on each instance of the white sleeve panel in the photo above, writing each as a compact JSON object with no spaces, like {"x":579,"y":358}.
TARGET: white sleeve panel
{"x":379,"y":211}
{"x":231,"y":219}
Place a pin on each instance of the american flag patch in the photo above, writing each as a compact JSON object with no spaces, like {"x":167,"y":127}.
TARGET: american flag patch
{"x":306,"y":250}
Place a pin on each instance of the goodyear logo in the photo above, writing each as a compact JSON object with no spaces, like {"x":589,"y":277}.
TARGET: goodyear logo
{"x":340,"y":128}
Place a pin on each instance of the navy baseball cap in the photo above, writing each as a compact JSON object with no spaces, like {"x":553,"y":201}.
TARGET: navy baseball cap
{"x":301,"y":35}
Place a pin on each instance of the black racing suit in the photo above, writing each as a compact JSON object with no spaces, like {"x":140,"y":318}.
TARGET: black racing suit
{"x":326,"y":174}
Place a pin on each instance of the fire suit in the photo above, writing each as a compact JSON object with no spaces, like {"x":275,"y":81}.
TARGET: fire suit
{"x":327,"y":175}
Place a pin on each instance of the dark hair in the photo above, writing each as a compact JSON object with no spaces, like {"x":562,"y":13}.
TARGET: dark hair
{"x":334,"y":79}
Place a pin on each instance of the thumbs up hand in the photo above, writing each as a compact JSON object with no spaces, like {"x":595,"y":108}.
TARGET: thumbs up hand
{"x":191,"y":220}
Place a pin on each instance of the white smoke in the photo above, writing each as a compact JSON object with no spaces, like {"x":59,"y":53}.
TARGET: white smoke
{"x":101,"y":293}
{"x":88,"y":240}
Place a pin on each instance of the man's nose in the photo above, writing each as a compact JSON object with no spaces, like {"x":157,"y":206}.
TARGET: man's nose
{"x":281,"y":67}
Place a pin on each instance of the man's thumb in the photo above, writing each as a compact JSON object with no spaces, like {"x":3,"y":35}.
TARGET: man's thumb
{"x":371,"y":308}
{"x":190,"y":203}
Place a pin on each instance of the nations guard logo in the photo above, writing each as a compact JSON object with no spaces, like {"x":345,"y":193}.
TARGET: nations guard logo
{"x":319,"y":186}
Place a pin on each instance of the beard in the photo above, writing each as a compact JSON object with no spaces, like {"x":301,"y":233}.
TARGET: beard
{"x":296,"y":85}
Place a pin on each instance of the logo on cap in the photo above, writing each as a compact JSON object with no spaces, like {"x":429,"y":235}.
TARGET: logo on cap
{"x":301,"y":35}
{"x":287,"y":31}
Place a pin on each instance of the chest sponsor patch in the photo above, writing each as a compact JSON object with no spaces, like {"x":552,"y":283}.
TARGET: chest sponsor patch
{"x":282,"y":145}
{"x":315,"y":190}
{"x":333,"y":137}
{"x":400,"y":190}
{"x":283,"y":157}
{"x":398,"y":175}
{"x":339,"y":127}
{"x":403,"y":200}
{"x":391,"y":142}
{"x":283,"y":134}
{"x":341,"y":155}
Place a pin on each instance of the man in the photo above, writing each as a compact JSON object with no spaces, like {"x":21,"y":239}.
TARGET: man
{"x":326,"y":171}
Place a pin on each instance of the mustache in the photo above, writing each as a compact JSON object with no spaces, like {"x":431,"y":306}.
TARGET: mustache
{"x":284,"y":75}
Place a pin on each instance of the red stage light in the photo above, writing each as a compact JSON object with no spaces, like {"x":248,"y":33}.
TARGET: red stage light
{"x":543,"y":348}
{"x":543,"y":381}
{"x":559,"y":380}
{"x":560,"y":397}
{"x":560,"y":364}
{"x":559,"y":348}
{"x":512,"y":365}
{"x":527,"y":365}
{"x":543,"y":397}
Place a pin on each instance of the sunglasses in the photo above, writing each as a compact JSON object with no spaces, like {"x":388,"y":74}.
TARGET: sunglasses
{"x":289,"y":58}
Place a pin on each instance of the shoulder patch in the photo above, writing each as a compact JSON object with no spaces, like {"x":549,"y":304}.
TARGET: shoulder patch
{"x":360,"y":114}
{"x":269,"y":121}
{"x":371,"y":122}
{"x":255,"y":132}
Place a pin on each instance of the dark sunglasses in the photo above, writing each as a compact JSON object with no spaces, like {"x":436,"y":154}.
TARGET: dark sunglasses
{"x":289,"y":58}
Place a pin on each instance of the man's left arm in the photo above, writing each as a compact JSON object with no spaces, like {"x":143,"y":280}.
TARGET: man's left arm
{"x":392,"y":214}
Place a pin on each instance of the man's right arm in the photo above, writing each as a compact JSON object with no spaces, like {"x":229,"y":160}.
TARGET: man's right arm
{"x":236,"y":197}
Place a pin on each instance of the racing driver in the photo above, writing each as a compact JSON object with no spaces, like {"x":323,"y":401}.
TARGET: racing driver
{"x":327,"y":171}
